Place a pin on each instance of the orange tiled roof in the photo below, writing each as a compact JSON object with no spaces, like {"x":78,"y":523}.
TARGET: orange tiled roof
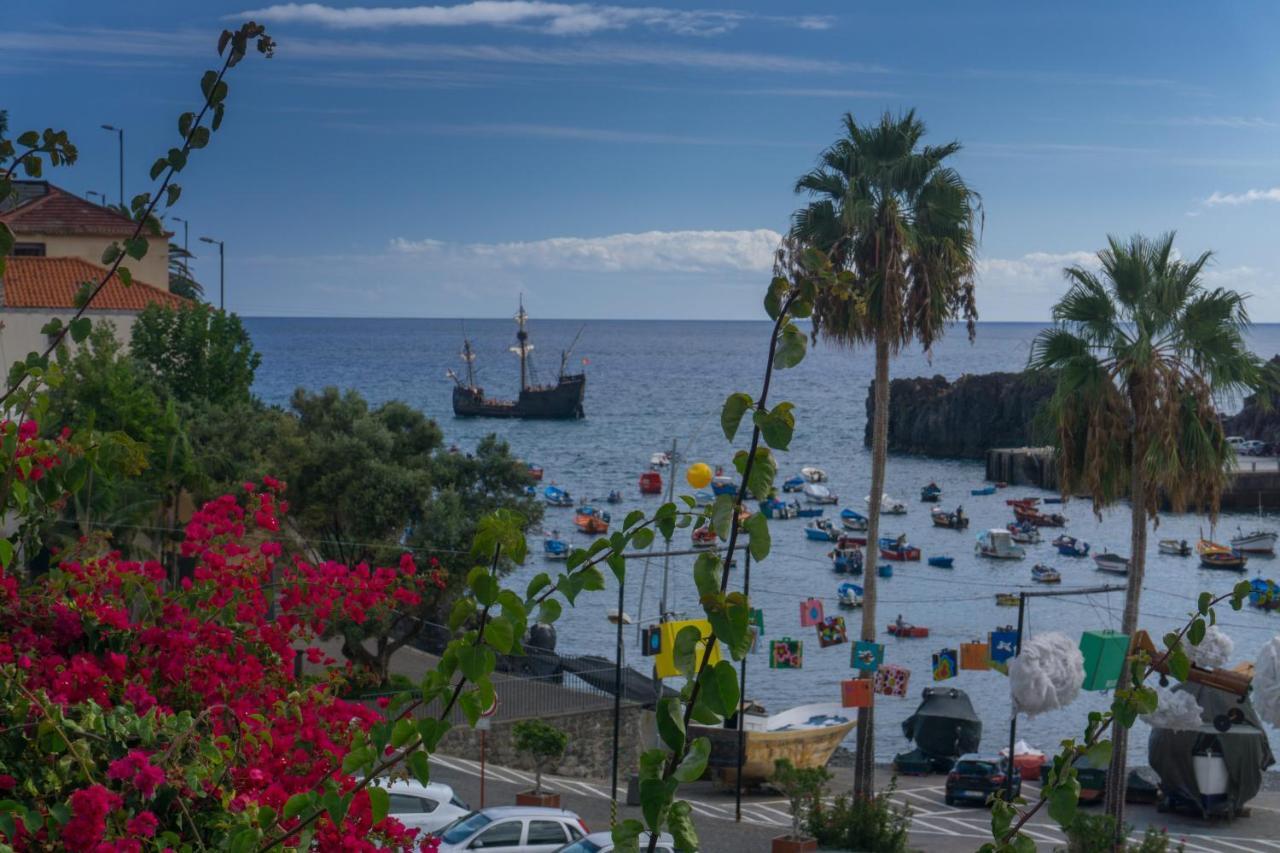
{"x":46,"y":209}
{"x":53,"y":283}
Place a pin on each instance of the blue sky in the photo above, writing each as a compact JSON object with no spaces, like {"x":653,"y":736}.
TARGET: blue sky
{"x":637,"y":161}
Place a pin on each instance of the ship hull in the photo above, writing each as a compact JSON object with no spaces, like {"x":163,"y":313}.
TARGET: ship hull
{"x":562,"y":401}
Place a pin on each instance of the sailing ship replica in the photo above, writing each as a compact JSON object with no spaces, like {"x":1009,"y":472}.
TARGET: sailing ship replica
{"x":560,"y":401}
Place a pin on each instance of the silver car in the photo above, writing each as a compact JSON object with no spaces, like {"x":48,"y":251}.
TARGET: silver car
{"x":602,"y":842}
{"x":427,"y":808}
{"x":512,"y":829}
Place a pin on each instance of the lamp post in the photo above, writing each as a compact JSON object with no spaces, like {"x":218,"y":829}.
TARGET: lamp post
{"x":222,"y":270}
{"x":119,"y":132}
{"x":89,"y":194}
{"x":186,"y":250}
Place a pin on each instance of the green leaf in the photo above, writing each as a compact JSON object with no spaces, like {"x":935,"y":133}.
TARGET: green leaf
{"x":730,"y":618}
{"x":757,"y":527}
{"x":1240,"y":593}
{"x":540,"y":581}
{"x":403,"y":731}
{"x":110,"y":254}
{"x":680,"y":825}
{"x":735,"y":406}
{"x":1179,"y":666}
{"x":172,"y":191}
{"x":158,"y":167}
{"x":671,"y":723}
{"x":685,"y":654}
{"x":126,"y":277}
{"x":136,"y":247}
{"x":336,"y":806}
{"x":722,"y":511}
{"x":1064,"y":799}
{"x":626,"y":836}
{"x":719,"y":689}
{"x":379,"y":803}
{"x":29,"y":139}
{"x":297,"y":804}
{"x":706,"y":573}
{"x":694,"y":763}
{"x":476,"y":662}
{"x":1202,"y":605}
{"x":633,"y":518}
{"x":80,"y":328}
{"x":549,"y":611}
{"x":642,"y":539}
{"x":1146,"y":699}
{"x":355,"y":759}
{"x":792,"y":344}
{"x":420,"y":766}
{"x":1099,"y":755}
{"x":431,"y":730}
{"x":764,"y":470}
{"x":774,"y":295}
{"x":777,"y":426}
{"x":484,"y":585}
{"x":207,"y":80}
{"x":1196,"y":632}
{"x":199,"y":137}
{"x":499,"y":633}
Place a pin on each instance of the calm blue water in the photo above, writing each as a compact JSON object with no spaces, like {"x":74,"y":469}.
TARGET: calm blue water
{"x":651,"y":382}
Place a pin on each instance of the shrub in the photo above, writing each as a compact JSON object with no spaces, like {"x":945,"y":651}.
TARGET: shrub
{"x":803,"y":787}
{"x":873,"y":824}
{"x":542,"y":742}
{"x":1088,"y":833}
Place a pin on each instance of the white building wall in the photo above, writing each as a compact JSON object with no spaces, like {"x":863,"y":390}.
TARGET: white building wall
{"x":20,"y":331}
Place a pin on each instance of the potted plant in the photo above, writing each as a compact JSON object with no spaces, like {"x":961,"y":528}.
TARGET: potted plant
{"x":545,"y":744}
{"x":803,"y":787}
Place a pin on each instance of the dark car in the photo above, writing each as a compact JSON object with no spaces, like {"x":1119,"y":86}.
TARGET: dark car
{"x":977,"y":777}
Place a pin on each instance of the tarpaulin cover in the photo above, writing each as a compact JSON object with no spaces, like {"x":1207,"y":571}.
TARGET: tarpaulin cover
{"x":945,"y":725}
{"x":1244,"y":749}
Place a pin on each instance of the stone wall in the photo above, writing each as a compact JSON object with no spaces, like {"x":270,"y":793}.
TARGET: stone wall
{"x":590,"y":751}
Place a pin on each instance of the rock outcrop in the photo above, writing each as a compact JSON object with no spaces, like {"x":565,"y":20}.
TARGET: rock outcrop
{"x":1255,"y":420}
{"x":965,"y":418}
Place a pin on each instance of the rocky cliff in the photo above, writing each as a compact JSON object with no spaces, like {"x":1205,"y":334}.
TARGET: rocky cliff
{"x":1255,"y":420}
{"x":964,"y":418}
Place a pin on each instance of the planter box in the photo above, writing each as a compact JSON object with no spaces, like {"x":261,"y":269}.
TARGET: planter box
{"x":787,"y":844}
{"x":528,"y":798}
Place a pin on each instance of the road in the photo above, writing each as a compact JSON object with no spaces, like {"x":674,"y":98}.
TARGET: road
{"x":934,"y":826}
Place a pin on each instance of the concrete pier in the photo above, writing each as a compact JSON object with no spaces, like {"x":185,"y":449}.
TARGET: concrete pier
{"x":1023,"y":466}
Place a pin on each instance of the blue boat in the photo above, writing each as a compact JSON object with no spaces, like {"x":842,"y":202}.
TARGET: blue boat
{"x":942,"y":562}
{"x":722,"y":485}
{"x":555,"y":548}
{"x":847,"y":561}
{"x":885,"y":570}
{"x":821,"y":530}
{"x":556,"y":496}
{"x":795,"y":484}
{"x":1069,"y":546}
{"x":702,"y":497}
{"x":615,"y":497}
{"x":985,"y":490}
{"x":931,"y":493}
{"x":1265,"y":594}
{"x":852,"y":520}
{"x":807,"y":511}
{"x":775,"y":508}
{"x":849,"y":595}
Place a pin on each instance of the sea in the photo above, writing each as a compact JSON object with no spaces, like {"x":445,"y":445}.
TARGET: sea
{"x":651,"y":383}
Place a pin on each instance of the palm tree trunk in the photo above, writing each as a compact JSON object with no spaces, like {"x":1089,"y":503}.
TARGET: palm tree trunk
{"x":865,"y":756}
{"x":1117,"y":773}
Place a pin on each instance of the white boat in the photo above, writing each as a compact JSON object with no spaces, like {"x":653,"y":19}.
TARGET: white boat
{"x":1254,"y":542}
{"x":818,"y":494}
{"x":813,"y":475}
{"x":1176,"y":547}
{"x":888,"y":505}
{"x":806,"y":735}
{"x":998,"y":544}
{"x":1113,"y":563}
{"x":661,"y":459}
{"x":1024,"y":533}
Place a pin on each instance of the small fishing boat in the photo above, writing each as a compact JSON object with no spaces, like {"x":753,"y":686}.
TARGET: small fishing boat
{"x":530,"y":492}
{"x":815,"y":493}
{"x":821,"y":530}
{"x":555,"y":548}
{"x":847,"y":541}
{"x":556,"y":496}
{"x":1070,"y":546}
{"x":898,"y":549}
{"x":775,"y":508}
{"x":888,"y":505}
{"x":1265,"y":594}
{"x":1112,"y":563}
{"x":1039,"y":519}
{"x":590,"y":520}
{"x":997,"y":544}
{"x":535,"y":472}
{"x":703,"y":537}
{"x":885,"y":570}
{"x":985,"y":490}
{"x":723,"y":485}
{"x":1024,"y":533}
{"x":650,"y":483}
{"x":849,"y":595}
{"x":615,"y":497}
{"x":1028,"y":503}
{"x":853,"y":520}
{"x":1007,"y":599}
{"x":1041,"y":573}
{"x":661,"y":459}
{"x":704,"y":497}
{"x":1215,"y":556}
{"x":846,"y":560}
{"x":956,"y":520}
{"x":931,"y":493}
{"x":813,"y":474}
{"x":794,"y":484}
{"x":1254,"y":542}
{"x":941,"y":562}
{"x":902,"y":630}
{"x":1176,"y":547}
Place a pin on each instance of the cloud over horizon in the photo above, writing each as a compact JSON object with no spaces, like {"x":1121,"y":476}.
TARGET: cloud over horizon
{"x":1246,"y":197}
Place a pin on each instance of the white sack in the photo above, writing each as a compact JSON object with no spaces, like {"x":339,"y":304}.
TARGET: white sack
{"x":1214,"y":650}
{"x":1266,"y":683}
{"x":1047,"y":674}
{"x":1175,"y":709}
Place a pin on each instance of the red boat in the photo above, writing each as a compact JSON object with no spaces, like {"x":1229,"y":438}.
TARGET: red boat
{"x":907,"y":630}
{"x":703,"y":537}
{"x":1026,"y":503}
{"x":850,"y":541}
{"x":1039,"y":519}
{"x":650,"y":483}
{"x":535,"y":472}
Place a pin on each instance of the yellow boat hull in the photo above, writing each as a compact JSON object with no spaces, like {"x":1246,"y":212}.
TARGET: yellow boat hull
{"x":808,"y":747}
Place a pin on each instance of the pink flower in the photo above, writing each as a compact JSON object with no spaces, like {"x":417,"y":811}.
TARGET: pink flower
{"x":143,"y":823}
{"x":137,"y":769}
{"x":89,"y":809}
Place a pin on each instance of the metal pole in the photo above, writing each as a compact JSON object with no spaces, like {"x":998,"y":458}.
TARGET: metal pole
{"x":483,"y":743}
{"x":222,"y":277}
{"x":121,"y":135}
{"x":617,"y":703}
{"x":742,"y":701}
{"x":666,"y":562}
{"x":1013,"y":718}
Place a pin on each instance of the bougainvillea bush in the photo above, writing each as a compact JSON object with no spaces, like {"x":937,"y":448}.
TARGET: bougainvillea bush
{"x":136,"y":714}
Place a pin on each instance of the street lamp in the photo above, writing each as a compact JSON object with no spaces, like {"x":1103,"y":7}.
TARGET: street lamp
{"x":186,"y":251}
{"x":119,"y":131}
{"x":222,"y":270}
{"x":91,"y":193}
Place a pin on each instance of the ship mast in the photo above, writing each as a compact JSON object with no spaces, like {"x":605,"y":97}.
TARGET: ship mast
{"x":522,"y":347}
{"x":470,"y":358}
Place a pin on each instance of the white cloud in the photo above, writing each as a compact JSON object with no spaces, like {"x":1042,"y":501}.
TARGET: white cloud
{"x":650,"y":251}
{"x":1237,"y":122}
{"x":1246,"y":197}
{"x":554,"y":18}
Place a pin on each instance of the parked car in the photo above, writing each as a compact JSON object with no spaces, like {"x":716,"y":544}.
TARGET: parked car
{"x":1235,"y":440}
{"x":1253,"y":447}
{"x":977,"y":777}
{"x":425,"y":807}
{"x":602,"y":842}
{"x":512,"y":829}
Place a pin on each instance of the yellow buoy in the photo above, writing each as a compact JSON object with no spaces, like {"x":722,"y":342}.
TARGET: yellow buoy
{"x":699,"y":475}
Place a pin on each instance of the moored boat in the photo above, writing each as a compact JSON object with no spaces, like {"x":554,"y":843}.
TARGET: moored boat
{"x":898,"y":549}
{"x":615,"y":497}
{"x":661,"y":459}
{"x":1069,"y":546}
{"x":590,"y":520}
{"x":723,"y":485}
{"x":931,"y":493}
{"x":1039,"y":519}
{"x":1041,"y":573}
{"x":997,"y":544}
{"x":555,"y":548}
{"x":650,"y":483}
{"x":821,"y":530}
{"x":793,"y":484}
{"x":775,"y":508}
{"x":813,"y":474}
{"x":1215,"y":556}
{"x":846,"y":559}
{"x":556,"y":496}
{"x":885,"y":570}
{"x":1028,"y":503}
{"x":816,"y":493}
{"x":1112,"y":563}
{"x":901,"y":629}
{"x":703,"y":537}
{"x":849,"y":595}
{"x":1175,"y":547}
{"x":955,"y":520}
{"x":1007,"y":599}
{"x":1024,"y":533}
{"x":853,"y":520}
{"x":888,"y":505}
{"x":985,"y":490}
{"x":941,"y":562}
{"x":1265,"y":594}
{"x":535,"y":472}
{"x":1254,"y":542}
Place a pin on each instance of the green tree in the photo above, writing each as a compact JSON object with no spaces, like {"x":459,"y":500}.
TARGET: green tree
{"x":896,"y":215}
{"x":196,"y":352}
{"x":543,"y":743}
{"x":1141,"y":349}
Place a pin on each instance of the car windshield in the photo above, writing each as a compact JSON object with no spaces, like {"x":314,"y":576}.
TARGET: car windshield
{"x":462,"y":828}
{"x":583,"y":846}
{"x":975,"y":768}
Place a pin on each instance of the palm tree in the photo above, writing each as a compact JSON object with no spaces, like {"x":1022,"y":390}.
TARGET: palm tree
{"x":904,"y":224}
{"x":1141,"y":348}
{"x":181,"y":281}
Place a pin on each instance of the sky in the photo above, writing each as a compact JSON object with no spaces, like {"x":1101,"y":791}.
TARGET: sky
{"x":631,"y":161}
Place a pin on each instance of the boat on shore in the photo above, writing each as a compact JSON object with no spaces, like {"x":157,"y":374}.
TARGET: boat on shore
{"x":821,"y":530}
{"x":898,"y":549}
{"x":849,"y":595}
{"x":556,"y":496}
{"x":592,"y":521}
{"x":816,"y":493}
{"x":1175,"y":547}
{"x":1215,"y":556}
{"x":1041,"y":573}
{"x":1070,"y":546}
{"x":931,"y":493}
{"x":1111,"y":563}
{"x":555,"y":548}
{"x":941,"y":562}
{"x":997,"y":544}
{"x":888,"y":505}
{"x":1254,"y":542}
{"x":1024,"y":533}
{"x":853,"y":520}
{"x":806,"y":736}
{"x":955,"y":520}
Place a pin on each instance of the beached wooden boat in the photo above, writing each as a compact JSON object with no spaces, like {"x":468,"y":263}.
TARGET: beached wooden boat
{"x":806,"y":736}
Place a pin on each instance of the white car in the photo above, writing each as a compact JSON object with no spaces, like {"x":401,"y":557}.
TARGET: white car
{"x":1253,"y":447}
{"x":1235,"y":441}
{"x":428,"y":808}
{"x":602,"y":842}
{"x":513,"y":829}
